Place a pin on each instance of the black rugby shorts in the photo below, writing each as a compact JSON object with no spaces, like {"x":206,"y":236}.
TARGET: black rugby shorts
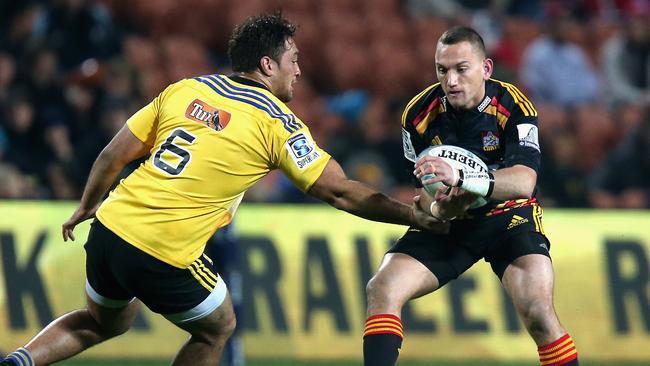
{"x":119,"y":271}
{"x":499,"y":239}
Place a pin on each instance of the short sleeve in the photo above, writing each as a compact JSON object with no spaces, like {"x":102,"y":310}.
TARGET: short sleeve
{"x":300,"y":158}
{"x":144,"y":122}
{"x":522,"y":134}
{"x":522,"y":144}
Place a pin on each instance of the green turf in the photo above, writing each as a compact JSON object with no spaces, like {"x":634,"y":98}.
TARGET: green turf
{"x":344,"y":363}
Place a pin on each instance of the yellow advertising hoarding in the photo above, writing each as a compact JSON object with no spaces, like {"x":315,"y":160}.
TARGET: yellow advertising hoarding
{"x":304,"y":269}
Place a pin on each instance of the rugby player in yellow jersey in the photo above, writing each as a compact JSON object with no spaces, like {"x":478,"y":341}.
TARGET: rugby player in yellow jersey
{"x":208,"y":139}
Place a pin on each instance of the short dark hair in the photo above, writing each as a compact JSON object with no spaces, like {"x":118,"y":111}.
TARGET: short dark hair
{"x":258,"y":36}
{"x":459,"y":34}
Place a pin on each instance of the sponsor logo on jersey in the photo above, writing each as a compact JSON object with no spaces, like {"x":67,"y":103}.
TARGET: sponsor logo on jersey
{"x":202,"y":112}
{"x":490,"y":140}
{"x":302,"y":150}
{"x":516,"y":221}
{"x":409,"y":151}
{"x":528,"y":135}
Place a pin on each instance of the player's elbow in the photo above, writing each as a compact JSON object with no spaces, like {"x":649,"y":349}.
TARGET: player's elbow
{"x":109,"y":157}
{"x":340,"y":200}
{"x":526,"y":186}
{"x":526,"y":179}
{"x":525,"y":193}
{"x":343,"y":198}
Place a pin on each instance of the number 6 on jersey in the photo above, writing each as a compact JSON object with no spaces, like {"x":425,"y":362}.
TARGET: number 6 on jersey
{"x":181,"y":154}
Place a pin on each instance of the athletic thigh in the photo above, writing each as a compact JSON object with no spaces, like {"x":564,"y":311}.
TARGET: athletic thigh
{"x":399,"y":279}
{"x":113,"y":320}
{"x":441,"y":254}
{"x":508,"y":250}
{"x":529,"y":279}
{"x":220,"y":322}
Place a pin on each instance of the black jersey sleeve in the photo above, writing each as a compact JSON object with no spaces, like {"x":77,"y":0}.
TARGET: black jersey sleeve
{"x":521,"y":131}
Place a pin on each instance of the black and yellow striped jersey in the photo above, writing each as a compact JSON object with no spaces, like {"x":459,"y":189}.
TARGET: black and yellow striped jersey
{"x":212,"y":138}
{"x":502,"y":130}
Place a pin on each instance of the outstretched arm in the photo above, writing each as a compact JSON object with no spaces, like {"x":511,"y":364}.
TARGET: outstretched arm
{"x":334,"y":188}
{"x":122,"y":149}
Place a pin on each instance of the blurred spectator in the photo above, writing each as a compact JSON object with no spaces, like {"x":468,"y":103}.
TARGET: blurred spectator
{"x":555,"y":70}
{"x":595,"y":132}
{"x":72,"y":71}
{"x":7,"y":74}
{"x":79,"y":30}
{"x":438,"y":8}
{"x":14,"y":185}
{"x":626,"y":62}
{"x":623,"y":179}
{"x":516,"y":35}
{"x":21,"y":26}
{"x":25,"y":149}
{"x":560,"y":180}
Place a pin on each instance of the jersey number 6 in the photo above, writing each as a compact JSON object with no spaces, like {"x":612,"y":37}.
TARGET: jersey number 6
{"x":169,"y":145}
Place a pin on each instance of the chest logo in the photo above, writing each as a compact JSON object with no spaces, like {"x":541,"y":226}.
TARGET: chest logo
{"x":490,"y":140}
{"x":202,"y":112}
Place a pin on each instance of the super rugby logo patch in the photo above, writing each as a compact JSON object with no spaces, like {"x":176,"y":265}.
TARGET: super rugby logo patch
{"x":202,"y":112}
{"x":302,"y":150}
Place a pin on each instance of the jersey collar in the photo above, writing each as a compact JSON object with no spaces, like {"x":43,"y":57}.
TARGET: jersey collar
{"x":245,"y":81}
{"x":485,"y":102}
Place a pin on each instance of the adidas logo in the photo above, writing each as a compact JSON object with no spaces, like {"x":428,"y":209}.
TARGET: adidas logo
{"x":516,"y":221}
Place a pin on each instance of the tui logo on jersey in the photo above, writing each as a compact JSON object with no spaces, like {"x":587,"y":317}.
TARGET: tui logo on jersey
{"x":208,"y":115}
{"x":490,"y":140}
{"x":302,"y":150}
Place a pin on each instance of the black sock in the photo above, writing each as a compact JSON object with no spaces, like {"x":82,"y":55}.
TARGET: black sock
{"x":382,"y":340}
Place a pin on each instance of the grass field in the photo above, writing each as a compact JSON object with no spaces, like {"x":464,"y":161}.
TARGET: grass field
{"x":348,"y":363}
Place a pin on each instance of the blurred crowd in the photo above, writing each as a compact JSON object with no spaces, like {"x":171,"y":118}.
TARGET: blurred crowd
{"x":72,"y":72}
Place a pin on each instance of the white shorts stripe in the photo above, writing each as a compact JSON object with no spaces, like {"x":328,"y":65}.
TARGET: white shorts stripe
{"x":205,"y":308}
{"x":105,"y":301}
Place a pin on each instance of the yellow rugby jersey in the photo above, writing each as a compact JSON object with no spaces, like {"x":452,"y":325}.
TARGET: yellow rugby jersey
{"x":212,"y":138}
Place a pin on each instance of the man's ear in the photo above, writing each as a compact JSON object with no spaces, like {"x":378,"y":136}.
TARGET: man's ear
{"x":267,"y":66}
{"x":488,"y":67}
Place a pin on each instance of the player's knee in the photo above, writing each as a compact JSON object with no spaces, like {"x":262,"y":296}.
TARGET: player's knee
{"x":109,"y":327}
{"x":218,"y":333}
{"x":382,"y":292}
{"x":376,"y":288}
{"x":229,"y":326}
{"x":538,"y":315}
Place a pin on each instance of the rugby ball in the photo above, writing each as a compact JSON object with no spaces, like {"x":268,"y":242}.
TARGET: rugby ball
{"x":458,"y":158}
